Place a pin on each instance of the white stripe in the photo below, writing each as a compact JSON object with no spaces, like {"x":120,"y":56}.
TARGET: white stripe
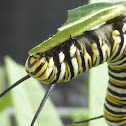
{"x":114,"y":53}
{"x":103,"y":48}
{"x":118,"y":62}
{"x":117,"y":90}
{"x":124,"y":28}
{"x":75,"y":66}
{"x":115,"y":109}
{"x":69,"y":73}
{"x":121,"y":74}
{"x":62,"y":72}
{"x":72,"y":50}
{"x":61,"y":57}
{"x":121,"y":51}
{"x":118,"y":81}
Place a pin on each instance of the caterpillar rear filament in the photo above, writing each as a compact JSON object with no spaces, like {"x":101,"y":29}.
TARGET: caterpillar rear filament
{"x":79,"y":54}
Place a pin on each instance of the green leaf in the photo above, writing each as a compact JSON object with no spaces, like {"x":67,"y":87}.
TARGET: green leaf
{"x":4,"y":103}
{"x":85,"y":11}
{"x":27,"y":97}
{"x":78,"y":115}
{"x":2,"y":78}
{"x":4,"y":118}
{"x":100,"y":12}
{"x":98,"y":81}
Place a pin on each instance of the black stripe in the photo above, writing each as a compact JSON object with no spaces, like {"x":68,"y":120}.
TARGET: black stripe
{"x":80,"y":48}
{"x":114,"y":112}
{"x":27,"y":71}
{"x":115,"y":105}
{"x":124,"y":62}
{"x":117,"y":94}
{"x":115,"y":121}
{"x":123,"y":55}
{"x":49,"y":76}
{"x":117,"y":71}
{"x":57,"y":64}
{"x":83,"y":61}
{"x":117,"y":78}
{"x":89,"y":66}
{"x":84,"y":46}
{"x":70,"y":66}
{"x":87,"y":44}
{"x":92,"y":36}
{"x":29,"y":64}
{"x":42,"y":73}
{"x":95,"y":61}
{"x":38,"y":68}
{"x":66,"y":51}
{"x":121,"y":43}
{"x":117,"y":86}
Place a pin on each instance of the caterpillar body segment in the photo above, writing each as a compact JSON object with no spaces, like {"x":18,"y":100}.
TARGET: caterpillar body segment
{"x":73,"y":57}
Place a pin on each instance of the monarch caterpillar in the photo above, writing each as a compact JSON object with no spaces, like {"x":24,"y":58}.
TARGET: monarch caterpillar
{"x":79,"y":54}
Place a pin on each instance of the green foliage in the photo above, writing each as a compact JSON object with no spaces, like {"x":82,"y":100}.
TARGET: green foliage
{"x":78,"y":115}
{"x":84,"y":18}
{"x":98,"y":78}
{"x":4,"y":118}
{"x":86,"y":11}
{"x":4,"y":103}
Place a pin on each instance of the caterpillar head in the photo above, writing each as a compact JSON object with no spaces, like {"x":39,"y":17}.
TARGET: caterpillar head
{"x":35,"y":65}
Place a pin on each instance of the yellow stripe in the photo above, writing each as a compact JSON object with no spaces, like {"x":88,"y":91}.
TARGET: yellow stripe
{"x":53,"y":74}
{"x":115,"y":33}
{"x":41,"y":71}
{"x":114,"y":100}
{"x":44,"y":76}
{"x":66,"y":73}
{"x":60,"y":81}
{"x":94,"y":50}
{"x":118,"y":69}
{"x":32,"y":69}
{"x":48,"y":80}
{"x":107,"y":50}
{"x":117,"y":83}
{"x":32,"y":60}
{"x":79,"y":61}
{"x":88,"y":58}
{"x":110,"y":117}
{"x":120,"y":56}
